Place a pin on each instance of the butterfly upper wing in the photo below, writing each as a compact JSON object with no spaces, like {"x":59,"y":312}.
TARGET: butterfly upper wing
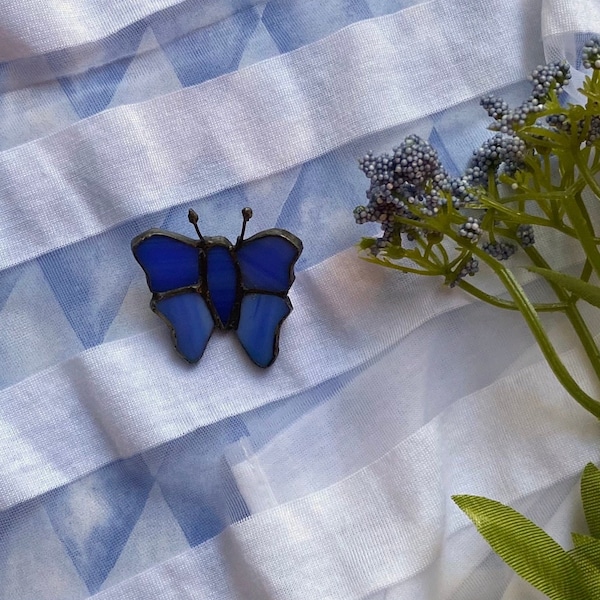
{"x":267,"y":271}
{"x":172,"y":262}
{"x":267,"y":260}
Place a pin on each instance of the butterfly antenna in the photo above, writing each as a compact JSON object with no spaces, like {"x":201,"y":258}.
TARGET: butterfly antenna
{"x":193,"y":219}
{"x":247,"y":215}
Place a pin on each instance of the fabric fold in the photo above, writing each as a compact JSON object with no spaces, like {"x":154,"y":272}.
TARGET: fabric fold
{"x":139,"y":159}
{"x":44,"y":27}
{"x":394,"y":518}
{"x":127,"y":396}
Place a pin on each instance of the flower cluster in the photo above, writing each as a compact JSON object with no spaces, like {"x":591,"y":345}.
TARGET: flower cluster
{"x":544,"y":79}
{"x":499,"y":250}
{"x":562,"y":123}
{"x":502,"y":149}
{"x":470,"y":267}
{"x":418,"y":203}
{"x":590,"y":57}
{"x":410,"y":186}
{"x":407,"y":183}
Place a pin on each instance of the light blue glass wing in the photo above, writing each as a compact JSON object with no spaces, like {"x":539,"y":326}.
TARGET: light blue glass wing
{"x":261,"y":316}
{"x":266,"y":260}
{"x":190,"y":320}
{"x":222,"y":281}
{"x":170,"y":261}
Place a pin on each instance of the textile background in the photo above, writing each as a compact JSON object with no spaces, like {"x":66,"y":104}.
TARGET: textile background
{"x":126,"y":474}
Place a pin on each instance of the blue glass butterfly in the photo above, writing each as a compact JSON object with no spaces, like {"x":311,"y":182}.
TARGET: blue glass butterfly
{"x":201,"y":284}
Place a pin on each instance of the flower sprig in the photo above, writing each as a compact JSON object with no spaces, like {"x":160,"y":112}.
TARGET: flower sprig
{"x":533,"y":173}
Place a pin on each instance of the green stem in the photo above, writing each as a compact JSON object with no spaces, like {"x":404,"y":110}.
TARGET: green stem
{"x":588,"y":176}
{"x":526,"y":218}
{"x":577,"y":214}
{"x":596,"y":161}
{"x":586,"y":272}
{"x":550,"y":354}
{"x":537,"y":329}
{"x":547,"y":168}
{"x":391,"y":265}
{"x":572,"y":313}
{"x":507,"y":304}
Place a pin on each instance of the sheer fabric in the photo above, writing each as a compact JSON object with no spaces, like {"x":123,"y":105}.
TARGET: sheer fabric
{"x":128,"y":474}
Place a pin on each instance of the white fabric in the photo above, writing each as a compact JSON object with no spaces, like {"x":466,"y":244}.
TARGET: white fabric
{"x":39,"y":27}
{"x":166,"y":399}
{"x":566,"y":16}
{"x":390,"y":392}
{"x":322,"y":339}
{"x":237,"y":128}
{"x":392,"y":519}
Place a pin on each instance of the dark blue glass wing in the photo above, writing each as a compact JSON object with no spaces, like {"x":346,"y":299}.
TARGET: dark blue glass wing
{"x":261,"y":316}
{"x":170,"y":261}
{"x":191,"y":322}
{"x":266,"y":260}
{"x":222,"y":281}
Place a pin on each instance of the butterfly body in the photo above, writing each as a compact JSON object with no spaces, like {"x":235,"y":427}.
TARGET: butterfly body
{"x":199,"y":285}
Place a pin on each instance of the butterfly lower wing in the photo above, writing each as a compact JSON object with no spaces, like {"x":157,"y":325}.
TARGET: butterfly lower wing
{"x":190,"y":320}
{"x":261,"y":316}
{"x":171,"y":261}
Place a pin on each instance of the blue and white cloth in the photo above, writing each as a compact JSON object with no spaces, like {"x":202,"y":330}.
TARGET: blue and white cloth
{"x":126,"y":474}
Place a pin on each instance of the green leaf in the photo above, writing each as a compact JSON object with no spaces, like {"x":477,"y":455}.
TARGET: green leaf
{"x":397,"y":252}
{"x":586,"y":291}
{"x":579,"y":539}
{"x":366,"y":243}
{"x":590,"y":496}
{"x":587,"y":556}
{"x":526,"y":548}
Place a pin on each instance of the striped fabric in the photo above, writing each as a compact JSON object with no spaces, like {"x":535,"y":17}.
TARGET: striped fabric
{"x":126,"y":474}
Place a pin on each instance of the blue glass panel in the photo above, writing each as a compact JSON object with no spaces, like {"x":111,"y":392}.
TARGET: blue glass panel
{"x":170,"y":263}
{"x":222,"y":281}
{"x":266,"y":262}
{"x":260,"y":317}
{"x":191,"y":321}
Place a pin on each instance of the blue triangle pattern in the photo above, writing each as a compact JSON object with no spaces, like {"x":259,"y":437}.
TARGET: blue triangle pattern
{"x":10,"y":520}
{"x":8,"y":279}
{"x":387,"y":7}
{"x":198,"y":485}
{"x":210,"y":51}
{"x":94,"y":516}
{"x":3,"y":74}
{"x":269,"y":420}
{"x":436,"y":140}
{"x":91,"y":91}
{"x":319,"y":207}
{"x":90,"y":279}
{"x":293,"y":24}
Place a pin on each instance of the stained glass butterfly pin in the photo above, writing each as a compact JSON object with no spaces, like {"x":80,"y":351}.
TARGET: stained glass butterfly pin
{"x":201,"y":284}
